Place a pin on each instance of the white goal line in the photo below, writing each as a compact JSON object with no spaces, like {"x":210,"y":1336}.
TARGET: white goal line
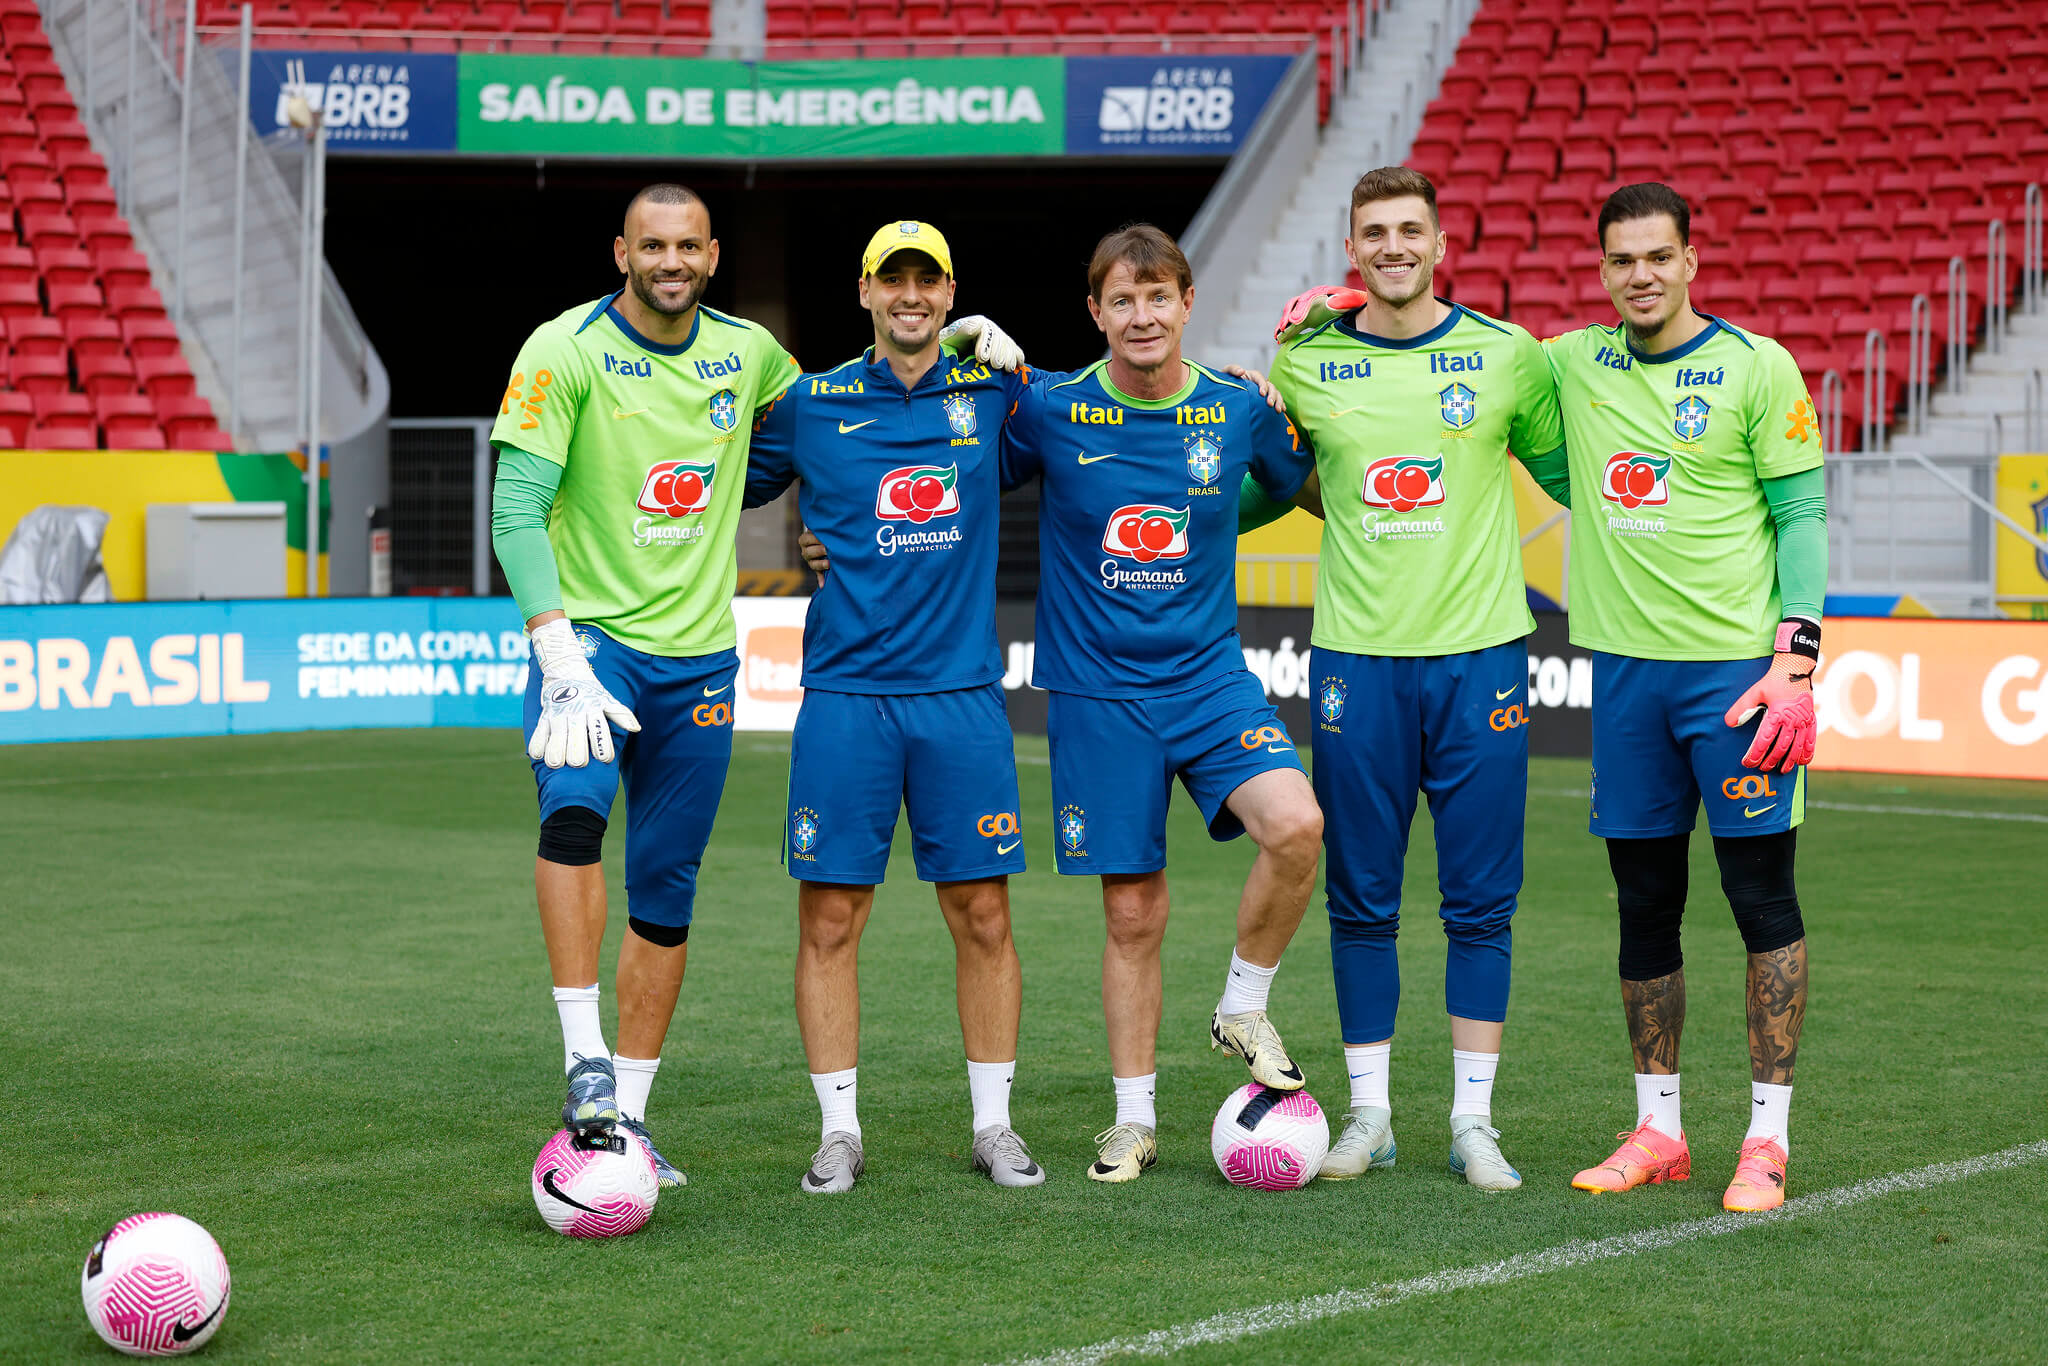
{"x":1960,"y":813}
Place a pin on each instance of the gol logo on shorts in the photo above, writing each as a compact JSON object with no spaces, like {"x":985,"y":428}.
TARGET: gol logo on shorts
{"x":1507,"y":718}
{"x":1747,"y":786}
{"x":1264,"y":735}
{"x":1000,"y":823}
{"x":712,"y":713}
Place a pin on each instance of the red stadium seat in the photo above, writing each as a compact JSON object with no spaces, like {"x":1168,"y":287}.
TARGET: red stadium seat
{"x":163,"y":376}
{"x":38,"y":375}
{"x":67,"y":437}
{"x":151,"y":334}
{"x":135,"y":435}
{"x":128,"y":407}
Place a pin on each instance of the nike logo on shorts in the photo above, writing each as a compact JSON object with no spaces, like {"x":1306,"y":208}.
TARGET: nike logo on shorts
{"x":1279,"y":749}
{"x":713,"y":692}
{"x":1006,"y":848}
{"x":1091,"y":459}
{"x":844,"y":428}
{"x":1748,"y":814}
{"x":1509,"y":693}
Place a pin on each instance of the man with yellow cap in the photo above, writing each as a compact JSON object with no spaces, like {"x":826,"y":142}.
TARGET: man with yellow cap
{"x":895,"y":453}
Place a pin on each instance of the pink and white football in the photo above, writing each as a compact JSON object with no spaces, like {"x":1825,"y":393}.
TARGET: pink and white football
{"x":155,"y":1285}
{"x":1269,"y":1140}
{"x":601,"y":1190}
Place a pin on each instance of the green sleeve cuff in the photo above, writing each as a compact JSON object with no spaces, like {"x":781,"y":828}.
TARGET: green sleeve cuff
{"x":1799,"y":508}
{"x":1256,"y":508}
{"x":521,"y":496}
{"x":1552,"y":473}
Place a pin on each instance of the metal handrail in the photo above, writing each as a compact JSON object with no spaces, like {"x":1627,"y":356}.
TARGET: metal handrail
{"x":1958,"y":322}
{"x":1546,"y":524}
{"x":1833,"y":396}
{"x":2032,"y":232}
{"x":2036,"y":399}
{"x":1919,"y":363}
{"x":1994,"y":286}
{"x":1873,"y":388}
{"x":1967,"y":494}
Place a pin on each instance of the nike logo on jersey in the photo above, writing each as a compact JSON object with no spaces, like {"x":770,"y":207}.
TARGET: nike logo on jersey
{"x":1748,"y":814}
{"x":1603,"y":402}
{"x":1006,"y":848}
{"x":1346,"y":412}
{"x":1091,"y":459}
{"x":713,"y":692}
{"x":1501,"y":695}
{"x":844,"y":428}
{"x":622,"y":416}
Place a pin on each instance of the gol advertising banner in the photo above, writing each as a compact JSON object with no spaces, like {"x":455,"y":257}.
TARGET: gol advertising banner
{"x":2022,"y":568}
{"x":1964,"y":698}
{"x":127,"y":670}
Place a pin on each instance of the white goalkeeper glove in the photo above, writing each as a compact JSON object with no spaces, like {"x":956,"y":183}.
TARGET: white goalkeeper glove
{"x":989,"y":343}
{"x":576,"y":713}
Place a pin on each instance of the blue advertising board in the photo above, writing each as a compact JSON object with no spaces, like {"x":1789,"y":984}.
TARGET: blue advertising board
{"x":128,"y":670}
{"x":1168,"y":105}
{"x":370,"y":101}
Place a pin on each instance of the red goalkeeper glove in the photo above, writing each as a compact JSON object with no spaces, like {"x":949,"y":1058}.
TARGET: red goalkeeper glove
{"x":1315,"y":308}
{"x":1784,"y":695}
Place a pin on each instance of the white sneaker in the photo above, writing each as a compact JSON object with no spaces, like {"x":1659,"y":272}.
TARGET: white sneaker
{"x":1123,"y":1151}
{"x":1000,"y":1152}
{"x":1251,"y":1036}
{"x":838,"y":1162}
{"x":1367,"y":1142}
{"x":1475,"y":1155}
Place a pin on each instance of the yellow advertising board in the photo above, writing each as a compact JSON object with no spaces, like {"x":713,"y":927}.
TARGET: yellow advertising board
{"x":2022,"y":568}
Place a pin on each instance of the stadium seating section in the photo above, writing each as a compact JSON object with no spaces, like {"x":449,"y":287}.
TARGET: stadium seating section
{"x":1837,"y":154}
{"x":635,"y":28}
{"x":90,"y":356}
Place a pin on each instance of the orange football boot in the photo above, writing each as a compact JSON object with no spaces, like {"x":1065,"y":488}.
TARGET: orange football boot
{"x":1759,"y":1182}
{"x":1644,"y":1158}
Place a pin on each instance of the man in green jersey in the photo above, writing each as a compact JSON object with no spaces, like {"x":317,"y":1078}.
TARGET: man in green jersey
{"x":1699,"y":561}
{"x":1413,"y":406}
{"x":622,"y":442}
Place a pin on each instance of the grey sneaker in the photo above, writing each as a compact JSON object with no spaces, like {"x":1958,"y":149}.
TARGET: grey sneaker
{"x":1002,"y":1154}
{"x":665,"y":1171}
{"x":1251,"y":1036}
{"x":1475,"y":1155}
{"x":592,"y":1109}
{"x":835,"y":1166}
{"x":1367,"y":1142}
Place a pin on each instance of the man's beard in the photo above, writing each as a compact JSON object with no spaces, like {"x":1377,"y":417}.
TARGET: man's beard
{"x":643,"y":289}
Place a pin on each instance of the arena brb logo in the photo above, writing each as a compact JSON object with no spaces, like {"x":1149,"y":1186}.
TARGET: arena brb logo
{"x":1272,"y":737}
{"x":712,"y":713}
{"x":1749,"y":785}
{"x":998,"y":823}
{"x":1507,"y":718}
{"x":677,"y":488}
{"x":1635,"y":480}
{"x":1403,"y":483}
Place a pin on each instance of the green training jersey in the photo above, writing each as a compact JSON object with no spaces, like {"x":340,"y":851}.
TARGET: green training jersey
{"x":652,"y":441}
{"x":1421,"y":554}
{"x":1674,"y":554}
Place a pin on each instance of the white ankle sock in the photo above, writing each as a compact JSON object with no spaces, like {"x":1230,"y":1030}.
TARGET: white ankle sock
{"x":1472,"y":1083}
{"x":1246,"y":987}
{"x":1368,"y":1064}
{"x":1135,"y":1102}
{"x":988,"y":1086}
{"x":1770,"y":1113}
{"x":581,"y":1032}
{"x":636,"y":1079}
{"x":836,"y":1092}
{"x":1657,"y":1097}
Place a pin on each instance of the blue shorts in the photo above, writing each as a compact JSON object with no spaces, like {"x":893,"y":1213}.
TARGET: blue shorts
{"x":1662,"y":744}
{"x":1114,"y":761}
{"x":947,"y":758}
{"x":674,"y":768}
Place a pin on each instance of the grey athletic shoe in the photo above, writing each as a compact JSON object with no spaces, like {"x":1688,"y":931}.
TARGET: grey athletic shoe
{"x":1002,"y":1154}
{"x":835,"y":1166}
{"x":1475,"y":1155}
{"x":592,"y":1109}
{"x":665,"y":1172}
{"x":1367,"y":1142}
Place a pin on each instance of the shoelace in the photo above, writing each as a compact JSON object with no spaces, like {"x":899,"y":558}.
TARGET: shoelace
{"x":1132,"y":1137}
{"x":835,"y":1154}
{"x":1010,"y":1148}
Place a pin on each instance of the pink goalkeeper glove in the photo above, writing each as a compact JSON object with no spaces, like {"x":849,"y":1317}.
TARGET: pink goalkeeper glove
{"x":1317,"y":306}
{"x":1784,"y":695}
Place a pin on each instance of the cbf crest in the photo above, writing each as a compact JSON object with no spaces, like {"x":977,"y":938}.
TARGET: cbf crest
{"x":1460,"y":406}
{"x":803,"y":830}
{"x":725,"y":410}
{"x":1073,"y":828}
{"x":1205,"y":457}
{"x":1330,"y":700}
{"x":960,"y":414}
{"x":1690,"y":420}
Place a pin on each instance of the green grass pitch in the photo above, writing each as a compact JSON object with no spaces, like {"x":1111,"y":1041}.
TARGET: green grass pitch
{"x":292,"y":986}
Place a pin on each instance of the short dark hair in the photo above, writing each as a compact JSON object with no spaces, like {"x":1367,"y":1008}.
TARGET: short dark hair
{"x":666,"y":192}
{"x":1150,"y":253}
{"x":1394,"y":182}
{"x":1646,"y":200}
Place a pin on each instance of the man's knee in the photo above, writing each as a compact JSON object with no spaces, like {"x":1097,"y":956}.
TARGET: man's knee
{"x":829,"y":917}
{"x":572,"y":836}
{"x":1756,"y":875}
{"x":1134,"y":910}
{"x":1295,"y":832}
{"x":979,"y":913}
{"x":1649,"y":893}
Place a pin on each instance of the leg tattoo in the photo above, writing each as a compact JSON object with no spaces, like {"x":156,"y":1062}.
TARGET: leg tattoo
{"x":1777,"y":1009}
{"x":1656,"y":1017}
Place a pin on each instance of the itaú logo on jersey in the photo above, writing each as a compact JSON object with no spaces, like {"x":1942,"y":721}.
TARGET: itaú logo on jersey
{"x":918,"y":493}
{"x":1635,"y":480}
{"x":1404,"y":483}
{"x":677,"y":488}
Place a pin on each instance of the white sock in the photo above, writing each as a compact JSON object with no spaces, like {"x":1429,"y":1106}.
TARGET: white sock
{"x":1657,"y":1097}
{"x":1368,"y":1065}
{"x":1770,"y":1113}
{"x":1135,"y":1102}
{"x":1472,"y":1084}
{"x":1246,"y":987}
{"x":988,"y":1086}
{"x":836,"y":1092}
{"x":636,"y":1079}
{"x":581,"y":1032}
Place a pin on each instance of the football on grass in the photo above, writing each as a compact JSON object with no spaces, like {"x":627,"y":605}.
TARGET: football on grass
{"x":594,"y":1188}
{"x":156,"y":1285}
{"x":1269,"y":1140}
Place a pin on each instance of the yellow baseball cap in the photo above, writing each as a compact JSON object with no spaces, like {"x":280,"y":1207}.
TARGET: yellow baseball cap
{"x":908,"y":235}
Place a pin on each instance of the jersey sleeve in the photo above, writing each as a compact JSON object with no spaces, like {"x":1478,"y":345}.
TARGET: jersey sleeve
{"x":776,"y":372}
{"x":1021,"y":457}
{"x":771,"y":458}
{"x":544,"y":396}
{"x":1538,"y":428}
{"x":1281,"y":458}
{"x":1783,"y":428}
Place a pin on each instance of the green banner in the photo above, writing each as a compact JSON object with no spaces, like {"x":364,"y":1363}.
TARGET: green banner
{"x":956,"y":107}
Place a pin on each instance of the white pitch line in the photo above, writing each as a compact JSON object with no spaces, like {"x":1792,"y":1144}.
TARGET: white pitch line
{"x":200,"y":775}
{"x":1960,"y":813}
{"x":1269,"y":1318}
